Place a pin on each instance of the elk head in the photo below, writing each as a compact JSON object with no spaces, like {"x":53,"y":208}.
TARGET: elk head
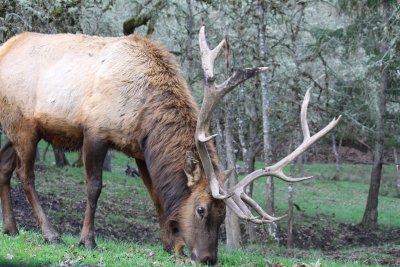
{"x":204,"y":210}
{"x":199,"y":217}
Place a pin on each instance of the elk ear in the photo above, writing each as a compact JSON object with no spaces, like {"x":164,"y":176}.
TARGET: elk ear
{"x":192,"y":169}
{"x":224,"y":176}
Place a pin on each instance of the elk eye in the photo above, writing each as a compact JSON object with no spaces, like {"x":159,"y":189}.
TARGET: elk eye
{"x":201,"y":211}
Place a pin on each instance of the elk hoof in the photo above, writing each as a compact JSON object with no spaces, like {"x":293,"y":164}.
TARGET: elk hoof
{"x":10,"y":231}
{"x":89,"y":243}
{"x":52,"y":237}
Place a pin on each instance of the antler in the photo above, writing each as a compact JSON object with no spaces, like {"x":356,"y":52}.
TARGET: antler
{"x":235,"y":197}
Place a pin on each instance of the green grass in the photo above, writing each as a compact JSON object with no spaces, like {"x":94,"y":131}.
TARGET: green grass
{"x":29,"y":249}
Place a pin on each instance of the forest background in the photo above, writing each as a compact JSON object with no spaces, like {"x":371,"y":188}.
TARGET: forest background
{"x":346,"y":51}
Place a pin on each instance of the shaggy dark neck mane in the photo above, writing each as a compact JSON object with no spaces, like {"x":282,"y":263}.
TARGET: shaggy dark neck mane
{"x":170,"y":136}
{"x":171,"y":123}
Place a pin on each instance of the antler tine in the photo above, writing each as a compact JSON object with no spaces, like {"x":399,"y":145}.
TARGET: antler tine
{"x":243,"y":212}
{"x":258,"y":209}
{"x":208,"y":56}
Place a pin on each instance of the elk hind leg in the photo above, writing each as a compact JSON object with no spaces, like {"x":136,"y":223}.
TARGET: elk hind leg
{"x":7,"y":166}
{"x":26,"y":152}
{"x":93,"y":152}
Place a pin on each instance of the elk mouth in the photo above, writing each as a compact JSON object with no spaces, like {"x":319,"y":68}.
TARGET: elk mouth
{"x":204,"y":259}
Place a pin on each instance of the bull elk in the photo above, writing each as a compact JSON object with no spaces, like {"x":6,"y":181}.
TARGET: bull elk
{"x":126,"y":93}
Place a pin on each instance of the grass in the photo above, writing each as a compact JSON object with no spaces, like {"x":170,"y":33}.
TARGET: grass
{"x":320,"y":198}
{"x":28,"y":249}
{"x":343,"y":200}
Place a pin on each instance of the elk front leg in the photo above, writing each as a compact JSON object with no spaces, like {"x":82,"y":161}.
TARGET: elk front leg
{"x":7,"y":166}
{"x":93,"y":153}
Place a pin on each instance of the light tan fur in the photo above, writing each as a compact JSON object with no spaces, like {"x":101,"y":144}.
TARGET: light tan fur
{"x":70,"y":82}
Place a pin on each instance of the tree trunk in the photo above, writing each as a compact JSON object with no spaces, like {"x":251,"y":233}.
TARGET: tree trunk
{"x":145,"y":17}
{"x":272,"y":227}
{"x":45,"y":151}
{"x":289,"y":241}
{"x":396,"y":161}
{"x":241,"y":131}
{"x":189,"y":41}
{"x":370,"y":218}
{"x":37,"y":155}
{"x":253,"y":136}
{"x":217,"y":128}
{"x":337,"y":158}
{"x":59,"y":157}
{"x":231,"y":220}
{"x":245,"y":155}
{"x":377,"y":108}
{"x":299,"y":159}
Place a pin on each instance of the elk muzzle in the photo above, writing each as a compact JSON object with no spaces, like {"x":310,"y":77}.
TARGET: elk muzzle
{"x":208,"y":257}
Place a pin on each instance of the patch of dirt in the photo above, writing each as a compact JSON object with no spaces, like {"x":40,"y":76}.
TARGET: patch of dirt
{"x":66,"y":215}
{"x":387,"y":256}
{"x":335,"y":236}
{"x":347,"y":154}
{"x":332,"y":238}
{"x":324,"y":234}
